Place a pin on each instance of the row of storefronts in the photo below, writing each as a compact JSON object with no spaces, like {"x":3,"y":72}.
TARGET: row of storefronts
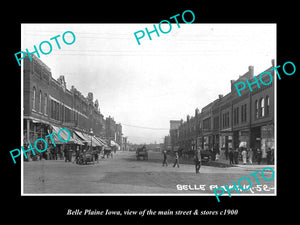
{"x":232,"y":121}
{"x":35,"y":129}
{"x":49,"y":106}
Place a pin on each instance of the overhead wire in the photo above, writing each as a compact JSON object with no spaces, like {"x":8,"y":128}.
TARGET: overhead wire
{"x":142,"y":127}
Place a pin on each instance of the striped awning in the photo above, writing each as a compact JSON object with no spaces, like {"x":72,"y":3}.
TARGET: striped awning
{"x":103,"y":143}
{"x":82,"y":137}
{"x":63,"y":134}
{"x":77,"y":139}
{"x":88,"y":139}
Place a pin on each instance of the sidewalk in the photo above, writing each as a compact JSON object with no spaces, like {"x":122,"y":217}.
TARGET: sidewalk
{"x":255,"y":166}
{"x":223,"y":163}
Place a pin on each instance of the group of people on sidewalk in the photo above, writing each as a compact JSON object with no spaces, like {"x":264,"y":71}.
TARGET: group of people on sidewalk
{"x":248,"y":155}
{"x":66,"y":152}
{"x":197,"y":160}
{"x":57,"y":152}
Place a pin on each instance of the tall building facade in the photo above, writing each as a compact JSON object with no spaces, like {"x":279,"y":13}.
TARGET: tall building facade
{"x":48,"y":104}
{"x":174,"y":124}
{"x":231,"y":121}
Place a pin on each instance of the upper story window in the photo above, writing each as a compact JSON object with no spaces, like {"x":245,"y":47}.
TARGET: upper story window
{"x":244,"y":113}
{"x":256,"y":109}
{"x":33,"y":98}
{"x":225,"y":120}
{"x":40,"y":101}
{"x":45,"y":104}
{"x":262,"y":107}
{"x":267,"y":105}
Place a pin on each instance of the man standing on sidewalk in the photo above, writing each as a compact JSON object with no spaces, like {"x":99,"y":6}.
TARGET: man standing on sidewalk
{"x":176,"y":160}
{"x":165,"y":162}
{"x":197,"y":160}
{"x":231,"y":162}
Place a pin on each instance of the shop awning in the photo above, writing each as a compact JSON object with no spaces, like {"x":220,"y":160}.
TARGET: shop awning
{"x":96,"y":142}
{"x":88,"y":139}
{"x":103,"y":143}
{"x":82,"y":137}
{"x":63,"y":134}
{"x":77,"y":139}
{"x":113,"y":143}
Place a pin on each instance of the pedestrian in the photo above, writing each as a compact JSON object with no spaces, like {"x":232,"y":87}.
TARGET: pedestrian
{"x":97,"y":156}
{"x":65,"y":152}
{"x":70,"y":151}
{"x":230,"y":154}
{"x":226,"y":153}
{"x":258,"y":155}
{"x":176,"y":160}
{"x":236,"y":156}
{"x":77,"y":154}
{"x":244,"y":156}
{"x":40,"y":146}
{"x":197,"y":160}
{"x":55,"y":152}
{"x":272,"y":156}
{"x":269,"y":156}
{"x":165,"y":162}
{"x":217,"y":153}
{"x":250,"y":155}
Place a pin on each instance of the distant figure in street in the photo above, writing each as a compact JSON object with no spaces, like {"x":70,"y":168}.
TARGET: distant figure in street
{"x":197,"y":160}
{"x":97,"y":156}
{"x":230,"y":154}
{"x":65,"y":153}
{"x":165,"y":162}
{"x":77,"y":155}
{"x":226,"y":154}
{"x":244,"y":156}
{"x":258,"y":156}
{"x":176,"y":160}
{"x":250,"y":155}
{"x":269,"y":156}
{"x":55,"y":153}
{"x":272,"y":156}
{"x":236,"y":156}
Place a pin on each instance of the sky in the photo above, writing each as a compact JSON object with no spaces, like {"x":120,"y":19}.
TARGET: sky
{"x":145,"y":86}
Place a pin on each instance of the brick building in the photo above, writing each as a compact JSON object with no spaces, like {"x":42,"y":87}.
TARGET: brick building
{"x":113,"y":131}
{"x":48,"y":105}
{"x":174,"y":124}
{"x":119,"y":137}
{"x":231,"y":121}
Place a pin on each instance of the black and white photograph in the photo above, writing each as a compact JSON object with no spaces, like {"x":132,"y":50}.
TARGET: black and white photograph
{"x":149,"y":113}
{"x":168,"y":109}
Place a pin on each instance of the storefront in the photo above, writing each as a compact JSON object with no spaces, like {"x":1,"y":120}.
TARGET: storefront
{"x":207,"y":142}
{"x":199,"y":142}
{"x":242,"y":138}
{"x":193,"y":144}
{"x":34,"y":129}
{"x":225,"y":143}
{"x":267,"y":139}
